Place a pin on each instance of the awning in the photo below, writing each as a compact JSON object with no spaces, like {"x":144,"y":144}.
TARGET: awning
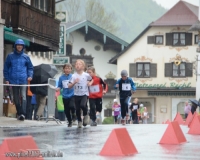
{"x":12,"y":37}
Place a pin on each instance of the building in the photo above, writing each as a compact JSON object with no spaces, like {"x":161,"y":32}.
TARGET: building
{"x":162,"y":62}
{"x":34,"y":22}
{"x":87,"y":41}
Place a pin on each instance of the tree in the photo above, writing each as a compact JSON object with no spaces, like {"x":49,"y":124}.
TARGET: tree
{"x":73,"y":8}
{"x":97,"y":14}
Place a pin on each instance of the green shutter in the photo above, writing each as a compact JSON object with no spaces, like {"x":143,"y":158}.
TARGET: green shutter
{"x":169,"y":39}
{"x":153,"y":72}
{"x":132,"y":70}
{"x":188,"y":69}
{"x":151,"y":40}
{"x":168,"y":69}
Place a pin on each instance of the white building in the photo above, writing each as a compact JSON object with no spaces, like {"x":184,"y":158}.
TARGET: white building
{"x":87,"y":41}
{"x":161,"y":62}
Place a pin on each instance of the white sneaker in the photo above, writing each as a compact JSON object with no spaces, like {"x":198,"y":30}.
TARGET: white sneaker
{"x":85,"y":120}
{"x":79,"y":124}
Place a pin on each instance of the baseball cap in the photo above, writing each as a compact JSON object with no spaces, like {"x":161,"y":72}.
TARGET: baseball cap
{"x":141,"y":105}
{"x":115,"y":100}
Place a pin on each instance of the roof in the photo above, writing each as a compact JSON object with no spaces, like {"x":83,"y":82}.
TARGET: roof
{"x":182,"y":13}
{"x":114,"y":59}
{"x":73,"y":26}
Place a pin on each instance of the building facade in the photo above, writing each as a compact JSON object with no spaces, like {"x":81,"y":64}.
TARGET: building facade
{"x":162,"y":63}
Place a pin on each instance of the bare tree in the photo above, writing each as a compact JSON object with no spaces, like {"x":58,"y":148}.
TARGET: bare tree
{"x":72,"y":7}
{"x":96,"y":13}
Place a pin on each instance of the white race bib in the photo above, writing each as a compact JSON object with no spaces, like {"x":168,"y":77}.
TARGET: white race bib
{"x":65,"y":83}
{"x":135,"y":107}
{"x":117,"y":109}
{"x":145,"y":114}
{"x":126,"y":87}
{"x":94,"y":89}
{"x":80,"y":88}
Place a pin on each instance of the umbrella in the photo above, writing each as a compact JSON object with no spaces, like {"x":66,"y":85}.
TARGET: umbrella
{"x":195,"y":102}
{"x":43,"y":72}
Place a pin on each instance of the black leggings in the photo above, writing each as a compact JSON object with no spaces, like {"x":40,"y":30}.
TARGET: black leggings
{"x":95,"y":106}
{"x":80,"y":103}
{"x":69,"y":108}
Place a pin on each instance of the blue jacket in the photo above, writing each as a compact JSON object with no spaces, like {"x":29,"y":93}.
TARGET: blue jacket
{"x":67,"y":92}
{"x":18,"y":67}
{"x":126,"y":93}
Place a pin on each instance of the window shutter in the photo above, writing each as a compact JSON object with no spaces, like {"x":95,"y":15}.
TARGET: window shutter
{"x":189,"y":69}
{"x":151,"y":40}
{"x":132,"y":70}
{"x":153,"y":72}
{"x":168,"y":69}
{"x":169,"y":39}
{"x":106,"y":111}
{"x":188,"y":39}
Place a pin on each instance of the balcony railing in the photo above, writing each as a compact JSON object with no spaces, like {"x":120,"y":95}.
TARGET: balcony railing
{"x":32,"y":22}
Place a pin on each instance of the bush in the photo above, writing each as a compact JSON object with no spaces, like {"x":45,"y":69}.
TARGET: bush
{"x":108,"y":120}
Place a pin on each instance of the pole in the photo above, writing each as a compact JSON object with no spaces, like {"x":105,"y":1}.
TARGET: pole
{"x":2,"y":22}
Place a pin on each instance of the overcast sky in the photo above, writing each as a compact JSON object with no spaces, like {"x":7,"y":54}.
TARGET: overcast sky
{"x":170,"y":3}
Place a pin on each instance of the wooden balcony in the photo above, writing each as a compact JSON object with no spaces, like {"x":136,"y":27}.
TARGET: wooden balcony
{"x":39,"y":27}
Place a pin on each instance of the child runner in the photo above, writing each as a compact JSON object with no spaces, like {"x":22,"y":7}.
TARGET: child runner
{"x":96,"y":92}
{"x":81,"y":80}
{"x":67,"y":94}
{"x":134,"y":108}
{"x":126,"y":87}
{"x":116,"y":108}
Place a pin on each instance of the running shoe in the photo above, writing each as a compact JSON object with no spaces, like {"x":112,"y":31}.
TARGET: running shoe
{"x":85,"y":120}
{"x":93,"y":123}
{"x":123,"y":122}
{"x":21,"y":117}
{"x":79,"y":124}
{"x":70,"y":124}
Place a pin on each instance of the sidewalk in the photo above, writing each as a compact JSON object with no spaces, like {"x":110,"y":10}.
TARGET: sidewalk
{"x":13,"y":122}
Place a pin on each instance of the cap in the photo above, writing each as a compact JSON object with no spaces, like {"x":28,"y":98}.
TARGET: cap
{"x":124,"y":73}
{"x":115,"y":100}
{"x":141,"y":105}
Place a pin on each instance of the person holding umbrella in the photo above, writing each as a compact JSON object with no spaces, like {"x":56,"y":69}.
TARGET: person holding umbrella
{"x":41,"y":75}
{"x":18,"y":70}
{"x":195,"y":103}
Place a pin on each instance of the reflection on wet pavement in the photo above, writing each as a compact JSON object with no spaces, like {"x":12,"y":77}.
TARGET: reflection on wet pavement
{"x":86,"y":143}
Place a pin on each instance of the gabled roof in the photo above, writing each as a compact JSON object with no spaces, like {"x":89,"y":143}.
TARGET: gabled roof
{"x":182,"y":13}
{"x":73,"y":26}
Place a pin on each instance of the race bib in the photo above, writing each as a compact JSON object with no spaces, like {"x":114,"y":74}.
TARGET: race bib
{"x":145,"y":114}
{"x":135,"y":107}
{"x":94,"y":88}
{"x":126,"y":87}
{"x":65,"y":83}
{"x":117,"y":109}
{"x":80,"y":88}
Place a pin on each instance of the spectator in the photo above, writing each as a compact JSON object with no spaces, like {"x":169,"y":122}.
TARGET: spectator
{"x":187,"y":109}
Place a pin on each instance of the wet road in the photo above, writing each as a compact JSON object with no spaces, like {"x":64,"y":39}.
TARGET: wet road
{"x":86,"y":143}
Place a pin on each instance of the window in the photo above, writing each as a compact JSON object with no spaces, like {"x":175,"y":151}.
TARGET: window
{"x":178,"y":70}
{"x":41,"y":4}
{"x":179,"y":39}
{"x":159,"y":39}
{"x":196,"y":39}
{"x":182,"y":70}
{"x":143,"y":70}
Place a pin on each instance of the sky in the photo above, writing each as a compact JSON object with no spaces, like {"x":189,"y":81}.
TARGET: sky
{"x":170,"y":3}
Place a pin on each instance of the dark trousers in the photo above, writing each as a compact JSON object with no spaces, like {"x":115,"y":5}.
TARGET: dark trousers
{"x":29,"y":110}
{"x":124,"y":106}
{"x":69,"y":108}
{"x":19,"y":98}
{"x":135,"y":118}
{"x":95,"y":106}
{"x":80,"y":103}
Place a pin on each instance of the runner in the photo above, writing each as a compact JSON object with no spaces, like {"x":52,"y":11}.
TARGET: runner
{"x":81,"y":80}
{"x":67,"y":94}
{"x":95,"y":96}
{"x":126,"y":87}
